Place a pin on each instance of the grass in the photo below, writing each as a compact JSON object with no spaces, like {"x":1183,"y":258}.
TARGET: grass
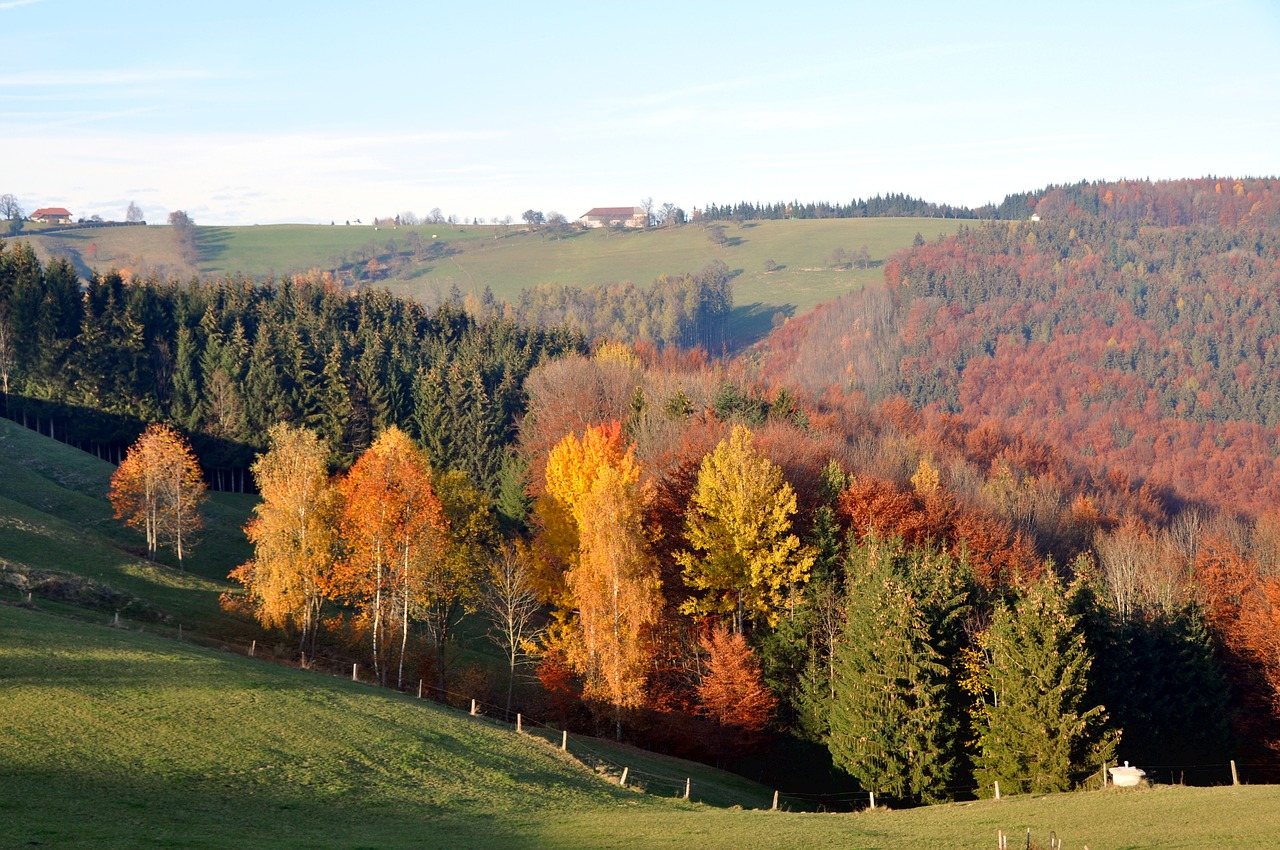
{"x":56,"y":525}
{"x":115,"y":739}
{"x":510,"y":259}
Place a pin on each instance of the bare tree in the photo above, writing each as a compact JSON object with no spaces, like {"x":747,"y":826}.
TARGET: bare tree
{"x":646,"y":204}
{"x":511,"y":605}
{"x":11,"y":211}
{"x":133,"y":215}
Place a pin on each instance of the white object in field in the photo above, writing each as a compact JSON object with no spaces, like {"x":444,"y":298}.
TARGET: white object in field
{"x":1126,"y":777}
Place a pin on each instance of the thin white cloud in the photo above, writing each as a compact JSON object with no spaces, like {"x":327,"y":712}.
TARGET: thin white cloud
{"x":13,"y":4}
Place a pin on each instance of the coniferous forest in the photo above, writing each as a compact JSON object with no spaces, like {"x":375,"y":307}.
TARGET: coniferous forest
{"x":1010,"y":517}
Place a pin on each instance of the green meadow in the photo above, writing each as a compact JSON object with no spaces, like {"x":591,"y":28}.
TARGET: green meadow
{"x":509,"y":259}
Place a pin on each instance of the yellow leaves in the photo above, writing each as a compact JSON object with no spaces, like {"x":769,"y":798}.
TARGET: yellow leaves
{"x":925,"y":481}
{"x":294,"y":529}
{"x":618,"y":353}
{"x":572,"y":469}
{"x":739,"y":526}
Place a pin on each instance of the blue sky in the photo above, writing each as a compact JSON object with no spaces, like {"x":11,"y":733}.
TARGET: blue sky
{"x":263,"y":112}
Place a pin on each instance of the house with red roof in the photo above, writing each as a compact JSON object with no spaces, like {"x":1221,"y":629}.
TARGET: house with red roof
{"x":52,"y":215}
{"x":614,"y":217}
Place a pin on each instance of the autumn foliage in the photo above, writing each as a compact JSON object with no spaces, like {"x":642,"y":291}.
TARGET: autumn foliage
{"x":159,"y":487}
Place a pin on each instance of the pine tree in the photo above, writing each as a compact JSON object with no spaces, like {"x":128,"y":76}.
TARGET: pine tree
{"x":1037,"y":731}
{"x":890,"y":724}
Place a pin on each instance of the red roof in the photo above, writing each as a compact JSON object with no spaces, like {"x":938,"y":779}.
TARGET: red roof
{"x":52,"y":212}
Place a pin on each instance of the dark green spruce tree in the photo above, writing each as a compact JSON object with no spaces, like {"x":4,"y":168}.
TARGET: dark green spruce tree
{"x":889,"y":722}
{"x":1037,"y":730}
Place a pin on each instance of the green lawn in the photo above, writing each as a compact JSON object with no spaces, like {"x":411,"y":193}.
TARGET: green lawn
{"x":114,"y":739}
{"x":510,"y":259}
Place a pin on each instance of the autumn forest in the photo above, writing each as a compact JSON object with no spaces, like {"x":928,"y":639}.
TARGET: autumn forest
{"x":1011,"y":516}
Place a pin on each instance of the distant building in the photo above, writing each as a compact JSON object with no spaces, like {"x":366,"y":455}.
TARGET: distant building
{"x":52,"y":215}
{"x":614,"y":217}
{"x":1035,"y":216}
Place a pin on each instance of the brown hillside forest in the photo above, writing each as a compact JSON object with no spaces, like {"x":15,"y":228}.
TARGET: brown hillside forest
{"x":1011,"y":517}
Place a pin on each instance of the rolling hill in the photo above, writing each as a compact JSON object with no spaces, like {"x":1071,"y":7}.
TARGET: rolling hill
{"x":428,"y":260}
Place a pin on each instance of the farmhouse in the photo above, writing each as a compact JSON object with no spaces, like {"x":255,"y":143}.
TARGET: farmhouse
{"x":52,"y":215}
{"x":614,"y":217}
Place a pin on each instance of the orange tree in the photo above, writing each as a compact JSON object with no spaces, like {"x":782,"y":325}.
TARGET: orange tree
{"x":158,"y":488}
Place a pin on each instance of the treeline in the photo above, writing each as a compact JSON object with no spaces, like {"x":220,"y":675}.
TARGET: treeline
{"x":687,"y":310}
{"x":881,"y":206}
{"x":1167,"y":203}
{"x":225,"y":360}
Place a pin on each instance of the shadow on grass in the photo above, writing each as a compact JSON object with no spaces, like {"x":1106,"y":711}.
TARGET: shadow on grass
{"x":211,"y":245}
{"x":750,"y":323}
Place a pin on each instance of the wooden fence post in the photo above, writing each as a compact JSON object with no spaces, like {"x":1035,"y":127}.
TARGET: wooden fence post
{"x":304,"y":661}
{"x":623,"y":780}
{"x":473,"y":708}
{"x":1104,"y":774}
{"x":564,"y":740}
{"x":1235,"y":777}
{"x":253,"y":647}
{"x":419,"y":689}
{"x":688,"y":783}
{"x":775,"y":800}
{"x":1002,"y":842}
{"x":179,"y":631}
{"x":873,"y":798}
{"x":519,"y":724}
{"x":997,"y":790}
{"x":354,"y":669}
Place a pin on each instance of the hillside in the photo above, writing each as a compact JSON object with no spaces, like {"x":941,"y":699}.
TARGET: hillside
{"x":58,"y":541}
{"x":426,"y":261}
{"x":203,"y":748}
{"x":117,"y":739}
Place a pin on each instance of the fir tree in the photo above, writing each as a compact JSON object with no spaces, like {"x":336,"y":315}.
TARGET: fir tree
{"x":889,"y":719}
{"x":1037,"y":731}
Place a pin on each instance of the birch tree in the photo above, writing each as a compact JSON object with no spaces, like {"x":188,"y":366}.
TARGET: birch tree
{"x":159,"y":487}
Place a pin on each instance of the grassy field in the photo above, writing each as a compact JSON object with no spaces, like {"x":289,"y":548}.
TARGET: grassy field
{"x":57,"y":532}
{"x":114,"y":739}
{"x":510,"y":259}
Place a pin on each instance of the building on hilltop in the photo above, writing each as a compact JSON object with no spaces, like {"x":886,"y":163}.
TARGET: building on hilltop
{"x":614,"y":217}
{"x":52,"y":215}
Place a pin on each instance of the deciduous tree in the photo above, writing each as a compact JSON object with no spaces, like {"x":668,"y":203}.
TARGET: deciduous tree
{"x":393,"y":530}
{"x":732,"y":691}
{"x":744,"y":556}
{"x":616,"y":591}
{"x":293,"y":532}
{"x":158,"y":488}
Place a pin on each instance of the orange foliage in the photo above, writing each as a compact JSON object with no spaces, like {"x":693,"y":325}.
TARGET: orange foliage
{"x":732,"y":691}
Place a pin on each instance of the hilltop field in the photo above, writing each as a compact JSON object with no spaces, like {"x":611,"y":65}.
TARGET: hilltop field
{"x":781,"y":265}
{"x":141,"y":734}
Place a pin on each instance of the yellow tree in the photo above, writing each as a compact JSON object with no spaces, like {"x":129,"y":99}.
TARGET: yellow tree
{"x":617,"y":590}
{"x":449,"y":585}
{"x":158,"y":488}
{"x":393,"y":529}
{"x":293,"y":532}
{"x":744,"y":556}
{"x":572,"y":468}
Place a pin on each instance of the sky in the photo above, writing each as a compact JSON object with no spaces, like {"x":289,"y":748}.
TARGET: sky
{"x":277,"y":111}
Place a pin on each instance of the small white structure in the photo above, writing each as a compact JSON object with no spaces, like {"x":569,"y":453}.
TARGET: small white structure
{"x":1126,"y":777}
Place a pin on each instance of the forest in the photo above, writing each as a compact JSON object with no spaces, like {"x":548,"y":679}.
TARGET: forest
{"x":1008,"y":518}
